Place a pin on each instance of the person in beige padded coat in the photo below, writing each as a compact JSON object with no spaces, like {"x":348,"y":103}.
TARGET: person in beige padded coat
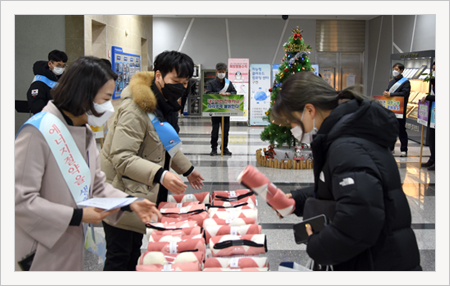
{"x":47,"y":219}
{"x":134,"y":158}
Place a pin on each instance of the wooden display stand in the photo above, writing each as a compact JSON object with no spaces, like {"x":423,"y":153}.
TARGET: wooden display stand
{"x":282,"y":164}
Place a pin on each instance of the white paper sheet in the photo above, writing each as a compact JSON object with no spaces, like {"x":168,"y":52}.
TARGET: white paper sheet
{"x":107,"y":203}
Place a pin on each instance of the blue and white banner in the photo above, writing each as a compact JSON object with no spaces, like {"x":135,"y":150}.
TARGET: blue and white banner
{"x":71,"y":163}
{"x":167,"y":134}
{"x":260,"y":83}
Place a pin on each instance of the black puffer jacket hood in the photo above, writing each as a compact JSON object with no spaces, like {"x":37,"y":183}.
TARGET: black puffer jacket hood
{"x":41,"y":68}
{"x":367,"y":120}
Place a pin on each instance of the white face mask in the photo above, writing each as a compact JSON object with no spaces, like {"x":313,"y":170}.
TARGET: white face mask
{"x":395,"y":73}
{"x":58,"y":71}
{"x":108,"y":110}
{"x":297,"y":132}
{"x":221,"y":75}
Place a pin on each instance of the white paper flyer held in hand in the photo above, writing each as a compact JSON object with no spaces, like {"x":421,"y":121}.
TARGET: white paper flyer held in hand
{"x":107,"y":203}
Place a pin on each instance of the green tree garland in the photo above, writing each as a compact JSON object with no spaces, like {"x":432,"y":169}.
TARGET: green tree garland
{"x":296,"y":59}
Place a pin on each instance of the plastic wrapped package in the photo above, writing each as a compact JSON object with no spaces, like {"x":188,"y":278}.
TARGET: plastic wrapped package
{"x":169,"y":226}
{"x":231,"y":222}
{"x":197,"y":217}
{"x":232,"y":214}
{"x":236,"y":208}
{"x":193,"y":244}
{"x":215,"y":230}
{"x":254,"y":269}
{"x":204,"y":198}
{"x":260,"y":184}
{"x":179,"y":232}
{"x":168,"y":205}
{"x":234,"y":196}
{"x":191,"y":209}
{"x":236,"y":262}
{"x":184,"y":266}
{"x":173,"y":238}
{"x":228,"y":245}
{"x":158,"y":257}
{"x":249,"y":201}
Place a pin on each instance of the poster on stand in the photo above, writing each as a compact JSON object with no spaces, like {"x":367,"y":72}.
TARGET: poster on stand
{"x":238,"y":74}
{"x":433,"y":114}
{"x":219,"y":105}
{"x":259,"y":93}
{"x":316,"y":69}
{"x":422,"y":115}
{"x":125,"y":65}
{"x":394,"y":103}
{"x":238,"y":70}
{"x":274,"y":73}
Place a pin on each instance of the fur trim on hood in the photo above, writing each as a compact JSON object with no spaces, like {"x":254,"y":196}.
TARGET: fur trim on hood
{"x":141,"y":92}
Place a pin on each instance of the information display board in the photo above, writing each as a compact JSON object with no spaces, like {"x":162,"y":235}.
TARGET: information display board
{"x":259,"y":93}
{"x":238,"y":74}
{"x":125,"y":65}
{"x":422,"y":116}
{"x":393,"y":103}
{"x":433,"y":114}
{"x":218,"y":105}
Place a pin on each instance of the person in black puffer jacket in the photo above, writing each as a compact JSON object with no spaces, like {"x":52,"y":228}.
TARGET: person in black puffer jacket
{"x":47,"y":73}
{"x":353,"y":166}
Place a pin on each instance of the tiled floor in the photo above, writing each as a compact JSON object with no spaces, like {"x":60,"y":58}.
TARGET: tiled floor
{"x":220,"y":173}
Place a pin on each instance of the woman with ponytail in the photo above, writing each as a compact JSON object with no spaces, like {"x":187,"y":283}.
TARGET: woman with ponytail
{"x":350,"y":136}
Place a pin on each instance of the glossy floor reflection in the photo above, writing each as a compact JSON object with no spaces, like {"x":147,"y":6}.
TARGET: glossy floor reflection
{"x":221,"y":174}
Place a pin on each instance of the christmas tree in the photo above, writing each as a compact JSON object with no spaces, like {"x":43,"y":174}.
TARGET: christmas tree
{"x":296,"y":59}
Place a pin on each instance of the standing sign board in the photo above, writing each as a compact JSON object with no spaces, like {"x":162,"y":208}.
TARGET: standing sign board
{"x":259,"y":93}
{"x":274,"y":72}
{"x":218,"y":105}
{"x":316,"y":69}
{"x":238,"y":74}
{"x":422,"y":115}
{"x":125,"y":65}
{"x":394,"y":103}
{"x":433,"y":114}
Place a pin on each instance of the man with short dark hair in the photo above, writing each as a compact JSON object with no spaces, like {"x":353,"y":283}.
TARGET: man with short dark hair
{"x":220,"y":85}
{"x":47,"y":73}
{"x":139,"y":155}
{"x":400,"y":86}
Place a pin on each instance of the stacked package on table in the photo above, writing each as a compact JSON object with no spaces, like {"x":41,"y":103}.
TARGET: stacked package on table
{"x":177,"y":243}
{"x":233,"y":234}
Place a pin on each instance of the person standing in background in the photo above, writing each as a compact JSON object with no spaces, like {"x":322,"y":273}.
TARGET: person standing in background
{"x":431,"y":98}
{"x":400,"y":86}
{"x":47,"y":73}
{"x":223,"y":86}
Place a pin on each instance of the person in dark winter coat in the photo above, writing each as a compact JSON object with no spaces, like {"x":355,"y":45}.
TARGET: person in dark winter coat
{"x":431,"y":98}
{"x":370,"y":228}
{"x":400,"y":86}
{"x":47,"y":73}
{"x":220,"y":85}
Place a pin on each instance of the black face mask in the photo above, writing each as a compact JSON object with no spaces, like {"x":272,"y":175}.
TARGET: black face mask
{"x":172,"y":92}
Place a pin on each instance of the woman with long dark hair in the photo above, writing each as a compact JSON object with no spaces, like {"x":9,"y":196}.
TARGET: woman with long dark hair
{"x":350,"y":136}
